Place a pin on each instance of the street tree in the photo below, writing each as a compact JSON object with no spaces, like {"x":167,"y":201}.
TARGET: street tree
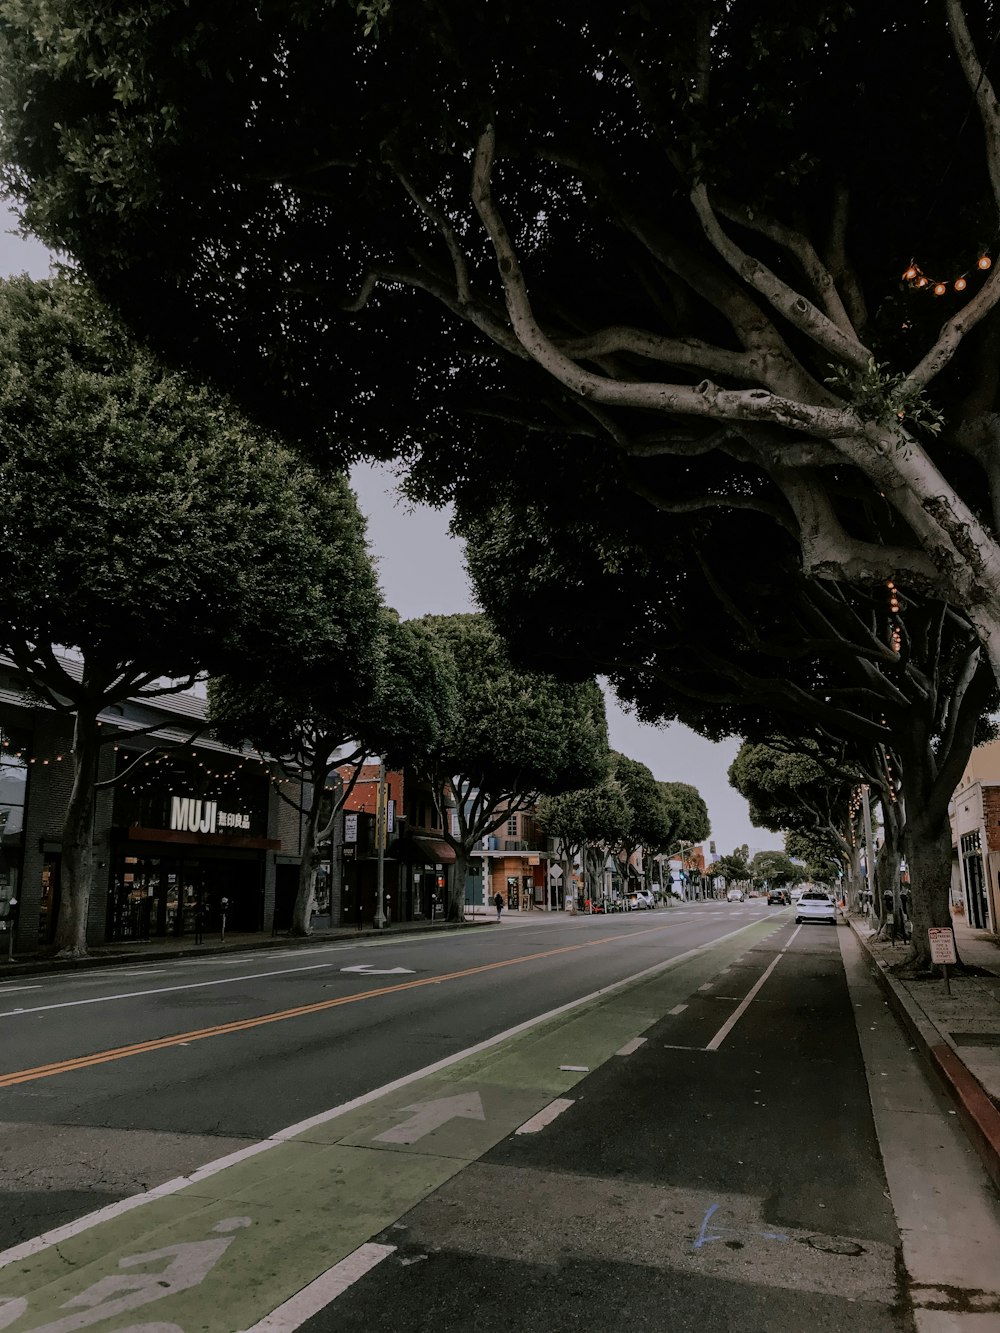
{"x":148,"y":534}
{"x":364,"y":684}
{"x":805,"y":789}
{"x":649,"y":819}
{"x":734,"y":868}
{"x":886,"y":676}
{"x":687,"y":815}
{"x":699,"y":238}
{"x":773,"y":869}
{"x":584,"y":823}
{"x":512,"y":736}
{"x":821,"y":856}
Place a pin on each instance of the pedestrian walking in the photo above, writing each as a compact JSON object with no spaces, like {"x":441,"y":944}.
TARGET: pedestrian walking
{"x":498,"y":903}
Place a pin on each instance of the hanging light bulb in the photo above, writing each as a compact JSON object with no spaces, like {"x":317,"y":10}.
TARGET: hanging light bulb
{"x":984,"y":262}
{"x":939,"y":289}
{"x":922,"y":282}
{"x":960,"y":284}
{"x":910,"y":273}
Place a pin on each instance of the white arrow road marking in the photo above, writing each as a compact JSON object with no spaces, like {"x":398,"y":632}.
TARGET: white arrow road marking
{"x":428,"y":1116}
{"x":367,"y":970}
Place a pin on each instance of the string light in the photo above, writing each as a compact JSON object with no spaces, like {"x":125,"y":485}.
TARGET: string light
{"x":915,"y":276}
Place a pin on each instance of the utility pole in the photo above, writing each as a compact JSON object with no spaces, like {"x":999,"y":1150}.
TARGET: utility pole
{"x":870,"y":854}
{"x":380,"y":822}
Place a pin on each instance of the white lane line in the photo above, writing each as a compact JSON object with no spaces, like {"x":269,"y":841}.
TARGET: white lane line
{"x":738,"y":1013}
{"x":677,"y":1009}
{"x":576,"y":1069}
{"x":325,"y":1289}
{"x":545,"y":1116}
{"x":707,"y":986}
{"x":36,"y":1244}
{"x":159,"y":990}
{"x":14,"y":990}
{"x":632,"y":1046}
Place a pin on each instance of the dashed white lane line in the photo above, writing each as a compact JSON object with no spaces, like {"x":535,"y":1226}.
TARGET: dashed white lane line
{"x":677,"y":1009}
{"x":545,"y":1116}
{"x":159,"y":990}
{"x":15,"y":990}
{"x":632,"y":1046}
{"x":707,"y":986}
{"x":326,"y":1288}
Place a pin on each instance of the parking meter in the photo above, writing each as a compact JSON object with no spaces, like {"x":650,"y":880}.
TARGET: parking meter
{"x":225,"y":904}
{"x":8,"y":922}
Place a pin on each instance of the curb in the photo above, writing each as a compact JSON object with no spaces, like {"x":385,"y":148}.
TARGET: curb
{"x":978,"y":1113}
{"x":37,"y":966}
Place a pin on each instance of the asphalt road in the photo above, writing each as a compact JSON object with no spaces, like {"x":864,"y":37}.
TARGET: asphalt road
{"x":661,"y":1121}
{"x":103,"y":1124}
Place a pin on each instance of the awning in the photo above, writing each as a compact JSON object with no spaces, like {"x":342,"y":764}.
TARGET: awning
{"x":417,"y":850}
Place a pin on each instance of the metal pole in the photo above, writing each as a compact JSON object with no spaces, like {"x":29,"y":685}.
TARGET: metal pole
{"x":380,"y":838}
{"x":870,"y":849}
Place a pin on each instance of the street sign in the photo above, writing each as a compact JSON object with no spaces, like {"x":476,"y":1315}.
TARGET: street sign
{"x":555,"y":873}
{"x":349,"y":851}
{"x":350,"y":828}
{"x":942,"y":942}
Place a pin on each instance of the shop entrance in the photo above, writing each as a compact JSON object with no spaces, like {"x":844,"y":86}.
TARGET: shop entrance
{"x":157,"y":896}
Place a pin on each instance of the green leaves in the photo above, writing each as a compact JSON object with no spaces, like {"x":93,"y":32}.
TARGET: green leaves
{"x":144,"y":523}
{"x":510,"y":733}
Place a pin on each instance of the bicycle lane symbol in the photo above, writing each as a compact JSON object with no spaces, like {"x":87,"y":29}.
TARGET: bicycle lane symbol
{"x":138,"y":1282}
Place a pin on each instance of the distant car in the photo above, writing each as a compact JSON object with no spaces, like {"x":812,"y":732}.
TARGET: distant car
{"x":734,"y":896}
{"x":644,"y":900}
{"x":780,"y":896}
{"x":796,"y":894}
{"x":816,"y":906}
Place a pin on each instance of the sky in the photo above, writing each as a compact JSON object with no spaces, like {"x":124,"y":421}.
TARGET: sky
{"x":421,"y":571}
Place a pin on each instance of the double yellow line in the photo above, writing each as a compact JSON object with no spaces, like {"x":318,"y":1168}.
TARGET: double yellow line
{"x":245,"y":1024}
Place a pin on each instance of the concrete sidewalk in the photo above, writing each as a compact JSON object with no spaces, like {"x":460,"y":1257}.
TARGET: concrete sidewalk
{"x":959,"y":1034}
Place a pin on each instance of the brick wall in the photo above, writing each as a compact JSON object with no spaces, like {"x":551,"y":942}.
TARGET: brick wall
{"x":991,"y":817}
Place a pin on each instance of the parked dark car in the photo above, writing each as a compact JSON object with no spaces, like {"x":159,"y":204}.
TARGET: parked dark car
{"x":781,"y":896}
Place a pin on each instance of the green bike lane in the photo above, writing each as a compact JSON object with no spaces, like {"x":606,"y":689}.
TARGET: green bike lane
{"x":222,"y":1248}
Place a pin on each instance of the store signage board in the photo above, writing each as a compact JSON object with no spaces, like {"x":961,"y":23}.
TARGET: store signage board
{"x":189,"y":815}
{"x":350,"y":828}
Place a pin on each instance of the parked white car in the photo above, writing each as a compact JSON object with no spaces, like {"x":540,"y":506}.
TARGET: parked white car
{"x":644,"y":900}
{"x":816,"y":906}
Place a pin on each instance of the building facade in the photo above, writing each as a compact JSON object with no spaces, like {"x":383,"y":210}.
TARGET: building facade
{"x":974,"y":813}
{"x":185,"y":829}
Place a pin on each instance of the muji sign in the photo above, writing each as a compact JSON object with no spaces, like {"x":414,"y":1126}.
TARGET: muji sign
{"x":190,"y":815}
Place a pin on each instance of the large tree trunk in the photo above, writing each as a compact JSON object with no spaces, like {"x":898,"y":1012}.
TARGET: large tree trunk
{"x":456,"y":902}
{"x":302,"y":911}
{"x":78,"y":842}
{"x":928,"y":855}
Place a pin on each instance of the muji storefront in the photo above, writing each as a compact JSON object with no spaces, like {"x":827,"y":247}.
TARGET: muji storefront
{"x":188,"y":842}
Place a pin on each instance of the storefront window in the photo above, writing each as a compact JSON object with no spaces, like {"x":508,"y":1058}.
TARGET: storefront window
{"x":13,"y":793}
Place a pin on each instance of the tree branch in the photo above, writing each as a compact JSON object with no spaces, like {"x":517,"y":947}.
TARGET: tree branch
{"x":802,"y":314}
{"x":802,"y":248}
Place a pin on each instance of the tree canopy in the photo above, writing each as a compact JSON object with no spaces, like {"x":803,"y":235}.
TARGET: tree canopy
{"x":145,"y":527}
{"x":364,"y":684}
{"x":511,"y":736}
{"x":704,"y":239}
